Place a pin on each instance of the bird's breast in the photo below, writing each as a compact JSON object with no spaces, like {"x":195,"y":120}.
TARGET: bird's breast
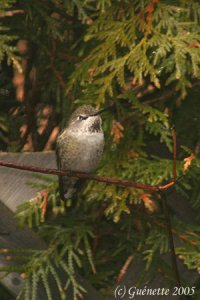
{"x":82,"y":151}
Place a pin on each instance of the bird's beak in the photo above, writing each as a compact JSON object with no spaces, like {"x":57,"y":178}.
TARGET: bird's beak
{"x":99,"y":112}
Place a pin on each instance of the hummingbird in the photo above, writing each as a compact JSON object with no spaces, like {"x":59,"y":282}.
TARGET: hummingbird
{"x":79,"y":147}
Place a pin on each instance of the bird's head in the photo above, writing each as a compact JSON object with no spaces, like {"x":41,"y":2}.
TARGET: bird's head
{"x":85,"y":119}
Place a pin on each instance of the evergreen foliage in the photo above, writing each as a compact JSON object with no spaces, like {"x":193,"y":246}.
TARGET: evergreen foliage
{"x":142,"y":56}
{"x":6,"y":48}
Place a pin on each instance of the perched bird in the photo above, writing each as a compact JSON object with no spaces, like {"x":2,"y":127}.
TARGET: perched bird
{"x":79,"y":147}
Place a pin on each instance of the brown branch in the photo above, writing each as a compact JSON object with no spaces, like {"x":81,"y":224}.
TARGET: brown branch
{"x":160,"y":98}
{"x":168,"y":185}
{"x":23,"y":139}
{"x":68,"y":57}
{"x":174,"y":154}
{"x":56,"y":72}
{"x":124,"y":269}
{"x":167,"y":94}
{"x":180,"y":235}
{"x":167,"y":215}
{"x":81,"y":175}
{"x":171,"y":239}
{"x":120,"y":182}
{"x":44,"y":136}
{"x":115,"y":181}
{"x":11,"y":13}
{"x":58,"y":76}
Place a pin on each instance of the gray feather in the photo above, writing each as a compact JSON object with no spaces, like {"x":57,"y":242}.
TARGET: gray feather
{"x":79,"y":148}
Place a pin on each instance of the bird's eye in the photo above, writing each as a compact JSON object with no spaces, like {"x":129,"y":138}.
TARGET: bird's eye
{"x":82,"y":117}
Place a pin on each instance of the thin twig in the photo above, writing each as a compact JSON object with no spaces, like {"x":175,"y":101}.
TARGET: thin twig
{"x":174,"y":154}
{"x":57,"y":73}
{"x":171,"y":240}
{"x":170,"y":184}
{"x":115,"y":181}
{"x":11,"y":13}
{"x":180,"y":235}
{"x":125,"y":183}
{"x":168,"y":94}
{"x":58,"y":76}
{"x":167,"y":216}
{"x":124,"y":268}
{"x":160,"y":98}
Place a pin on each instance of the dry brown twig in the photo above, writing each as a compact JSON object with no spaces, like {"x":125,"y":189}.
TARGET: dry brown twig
{"x":115,"y":181}
{"x":11,"y":13}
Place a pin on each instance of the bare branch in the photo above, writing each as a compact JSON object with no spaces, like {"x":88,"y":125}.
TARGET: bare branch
{"x":120,"y":182}
{"x":167,"y":94}
{"x":11,"y":13}
{"x":115,"y":181}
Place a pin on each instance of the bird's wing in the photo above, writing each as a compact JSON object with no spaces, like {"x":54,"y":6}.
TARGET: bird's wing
{"x":66,"y":184}
{"x":60,"y":179}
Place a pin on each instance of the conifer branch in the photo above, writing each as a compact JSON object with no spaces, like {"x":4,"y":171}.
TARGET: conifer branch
{"x":125,"y":183}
